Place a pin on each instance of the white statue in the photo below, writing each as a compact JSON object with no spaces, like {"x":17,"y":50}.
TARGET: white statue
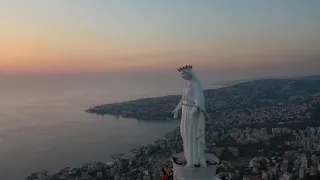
{"x":192,"y":127}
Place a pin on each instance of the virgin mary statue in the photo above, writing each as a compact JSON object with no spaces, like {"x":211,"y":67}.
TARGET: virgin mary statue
{"x":192,"y":127}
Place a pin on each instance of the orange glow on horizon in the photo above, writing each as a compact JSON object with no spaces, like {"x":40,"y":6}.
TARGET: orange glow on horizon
{"x":69,"y":37}
{"x":71,"y":51}
{"x":49,"y":62}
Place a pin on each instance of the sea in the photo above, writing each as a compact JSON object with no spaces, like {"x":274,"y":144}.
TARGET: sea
{"x":44,"y":126}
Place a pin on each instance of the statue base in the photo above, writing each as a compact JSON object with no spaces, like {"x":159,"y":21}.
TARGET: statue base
{"x":180,"y":172}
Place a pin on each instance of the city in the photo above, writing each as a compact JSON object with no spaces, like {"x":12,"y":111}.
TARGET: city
{"x":269,"y":132}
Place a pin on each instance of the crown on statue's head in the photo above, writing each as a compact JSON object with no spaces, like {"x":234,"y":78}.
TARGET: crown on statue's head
{"x":185,"y":67}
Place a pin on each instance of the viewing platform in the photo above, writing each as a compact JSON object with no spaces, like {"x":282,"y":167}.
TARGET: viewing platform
{"x":180,"y":172}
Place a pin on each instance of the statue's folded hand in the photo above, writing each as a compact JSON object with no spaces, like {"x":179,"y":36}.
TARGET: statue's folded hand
{"x":194,"y":112}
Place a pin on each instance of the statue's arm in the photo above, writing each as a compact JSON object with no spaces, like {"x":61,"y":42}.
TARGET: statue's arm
{"x":179,"y":106}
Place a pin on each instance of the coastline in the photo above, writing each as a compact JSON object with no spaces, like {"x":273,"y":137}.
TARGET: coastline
{"x":144,"y":161}
{"x":140,"y":108}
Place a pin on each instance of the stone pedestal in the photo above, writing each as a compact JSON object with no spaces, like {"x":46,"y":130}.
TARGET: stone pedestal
{"x":180,"y":172}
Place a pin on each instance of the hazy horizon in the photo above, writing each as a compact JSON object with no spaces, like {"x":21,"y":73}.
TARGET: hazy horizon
{"x":207,"y":79}
{"x":220,"y":38}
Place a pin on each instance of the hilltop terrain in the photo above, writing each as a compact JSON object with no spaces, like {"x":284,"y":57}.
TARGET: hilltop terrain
{"x":270,"y":100}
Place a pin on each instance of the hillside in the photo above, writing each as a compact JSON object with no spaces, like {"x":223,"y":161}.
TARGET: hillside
{"x":311,"y":78}
{"x":267,"y":99}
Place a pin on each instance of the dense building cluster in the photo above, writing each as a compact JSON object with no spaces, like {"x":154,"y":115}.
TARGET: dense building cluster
{"x":300,"y":162}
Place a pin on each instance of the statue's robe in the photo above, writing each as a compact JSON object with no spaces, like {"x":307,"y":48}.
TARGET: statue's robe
{"x":192,"y":127}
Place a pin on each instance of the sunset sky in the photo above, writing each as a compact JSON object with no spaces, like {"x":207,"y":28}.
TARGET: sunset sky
{"x":70,"y":36}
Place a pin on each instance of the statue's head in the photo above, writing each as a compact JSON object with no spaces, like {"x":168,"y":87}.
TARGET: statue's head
{"x":186,"y":72}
